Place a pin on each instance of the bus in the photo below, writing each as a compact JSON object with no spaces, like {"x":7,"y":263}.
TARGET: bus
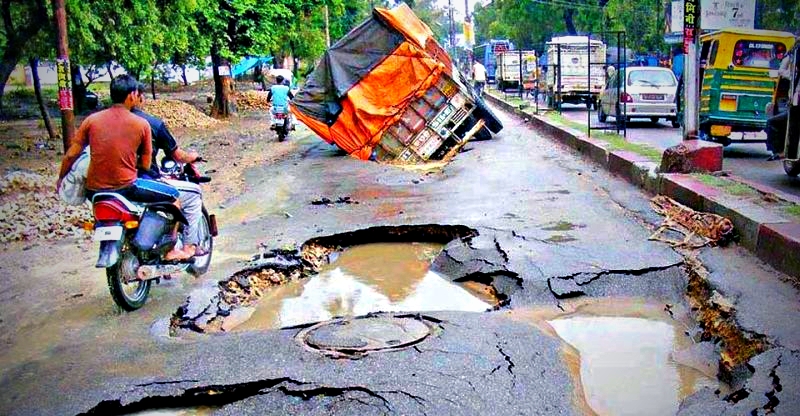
{"x":485,"y":54}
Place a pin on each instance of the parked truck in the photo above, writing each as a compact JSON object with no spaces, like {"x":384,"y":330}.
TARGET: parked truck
{"x":575,"y":72}
{"x":387,"y":91}
{"x":487,"y":52}
{"x":508,"y":68}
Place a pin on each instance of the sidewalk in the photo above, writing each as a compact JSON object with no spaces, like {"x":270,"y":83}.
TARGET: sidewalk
{"x":767,"y":221}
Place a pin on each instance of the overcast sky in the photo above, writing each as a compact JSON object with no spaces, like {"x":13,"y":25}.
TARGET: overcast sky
{"x":458,"y":5}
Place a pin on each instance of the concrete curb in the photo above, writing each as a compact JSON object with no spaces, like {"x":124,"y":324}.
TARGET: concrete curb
{"x":771,"y":237}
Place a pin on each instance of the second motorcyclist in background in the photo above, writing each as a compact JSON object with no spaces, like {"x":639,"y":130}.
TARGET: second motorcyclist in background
{"x":190,"y":197}
{"x":279,"y":95}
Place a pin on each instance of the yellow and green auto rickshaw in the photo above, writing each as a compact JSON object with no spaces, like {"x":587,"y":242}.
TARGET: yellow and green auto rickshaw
{"x":738,"y":79}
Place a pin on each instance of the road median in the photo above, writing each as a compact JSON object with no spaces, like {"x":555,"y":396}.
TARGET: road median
{"x":765,"y":219}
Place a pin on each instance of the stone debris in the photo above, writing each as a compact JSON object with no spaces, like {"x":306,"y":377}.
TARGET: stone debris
{"x":698,"y":228}
{"x":31,"y":210}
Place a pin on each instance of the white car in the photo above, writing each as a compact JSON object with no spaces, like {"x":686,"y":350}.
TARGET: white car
{"x":648,"y":92}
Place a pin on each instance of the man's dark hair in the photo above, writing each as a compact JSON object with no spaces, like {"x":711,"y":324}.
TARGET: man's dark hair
{"x":279,"y":79}
{"x":121,"y":87}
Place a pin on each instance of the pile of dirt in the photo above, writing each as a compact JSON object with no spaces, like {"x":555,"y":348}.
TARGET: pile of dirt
{"x":31,"y":210}
{"x":252,"y":100}
{"x":179,"y":114}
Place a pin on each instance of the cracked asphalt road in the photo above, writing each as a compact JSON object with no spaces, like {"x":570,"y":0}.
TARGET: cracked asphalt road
{"x":551,"y":227}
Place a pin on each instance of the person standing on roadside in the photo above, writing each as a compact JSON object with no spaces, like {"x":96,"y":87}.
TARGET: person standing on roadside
{"x":478,"y":77}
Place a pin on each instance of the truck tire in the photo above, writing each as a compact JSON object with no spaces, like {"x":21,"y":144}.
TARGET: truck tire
{"x":484,"y":113}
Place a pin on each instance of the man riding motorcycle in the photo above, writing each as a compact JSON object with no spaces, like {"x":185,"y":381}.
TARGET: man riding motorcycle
{"x":118,"y":139}
{"x":279,"y":95}
{"x":190,"y":196}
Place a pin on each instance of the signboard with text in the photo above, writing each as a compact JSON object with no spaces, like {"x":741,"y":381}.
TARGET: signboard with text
{"x":65,"y":101}
{"x":691,"y":14}
{"x":718,"y":14}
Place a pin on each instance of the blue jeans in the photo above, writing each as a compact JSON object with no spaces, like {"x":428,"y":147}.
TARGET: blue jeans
{"x":144,"y":190}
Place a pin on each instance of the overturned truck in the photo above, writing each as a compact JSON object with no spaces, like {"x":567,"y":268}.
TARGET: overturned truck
{"x":388,"y":91}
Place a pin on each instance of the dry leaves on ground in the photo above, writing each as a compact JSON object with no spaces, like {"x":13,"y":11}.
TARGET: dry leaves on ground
{"x":31,"y":210}
{"x":252,"y":100}
{"x":178,"y":114}
{"x":698,"y":228}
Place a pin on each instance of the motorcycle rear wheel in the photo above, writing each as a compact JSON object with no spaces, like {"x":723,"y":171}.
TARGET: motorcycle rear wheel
{"x":129,"y":296}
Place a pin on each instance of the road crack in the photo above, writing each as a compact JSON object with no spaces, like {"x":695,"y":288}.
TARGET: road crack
{"x":772,"y":398}
{"x":500,"y":250}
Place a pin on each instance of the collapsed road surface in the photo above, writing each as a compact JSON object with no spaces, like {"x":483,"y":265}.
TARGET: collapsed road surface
{"x":555,"y":240}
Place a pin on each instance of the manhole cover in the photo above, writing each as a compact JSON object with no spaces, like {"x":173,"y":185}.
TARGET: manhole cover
{"x":360,"y":336}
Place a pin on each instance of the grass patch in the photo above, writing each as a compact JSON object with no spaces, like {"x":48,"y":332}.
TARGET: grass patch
{"x":726,"y":185}
{"x":614,"y":141}
{"x":617,"y":142}
{"x":793,"y":211}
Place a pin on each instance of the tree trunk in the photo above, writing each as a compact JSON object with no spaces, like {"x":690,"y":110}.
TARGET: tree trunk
{"x":224,"y":103}
{"x":11,"y":56}
{"x":153,"y":82}
{"x":78,"y":89}
{"x":37,"y":89}
{"x":569,"y":21}
{"x":183,"y":75}
{"x":110,"y":70}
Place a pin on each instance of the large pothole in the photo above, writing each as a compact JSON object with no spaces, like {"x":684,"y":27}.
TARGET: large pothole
{"x":378,"y":269}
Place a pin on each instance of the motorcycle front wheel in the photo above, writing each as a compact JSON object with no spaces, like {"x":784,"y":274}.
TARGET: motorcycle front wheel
{"x":127,"y":291}
{"x":205,"y":244}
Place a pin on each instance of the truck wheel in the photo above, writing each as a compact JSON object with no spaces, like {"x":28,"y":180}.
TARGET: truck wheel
{"x":482,"y":134}
{"x":484,"y":113}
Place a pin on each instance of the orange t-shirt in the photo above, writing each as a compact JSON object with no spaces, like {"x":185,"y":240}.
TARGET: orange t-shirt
{"x":116,"y":138}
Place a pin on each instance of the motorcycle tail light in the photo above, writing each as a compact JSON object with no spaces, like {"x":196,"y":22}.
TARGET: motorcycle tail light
{"x":112,"y":211}
{"x":280,"y":116}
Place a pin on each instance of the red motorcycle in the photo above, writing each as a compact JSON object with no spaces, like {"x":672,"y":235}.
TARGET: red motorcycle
{"x":135,"y":236}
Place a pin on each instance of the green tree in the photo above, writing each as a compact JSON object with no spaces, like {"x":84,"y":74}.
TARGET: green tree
{"x":22,"y":20}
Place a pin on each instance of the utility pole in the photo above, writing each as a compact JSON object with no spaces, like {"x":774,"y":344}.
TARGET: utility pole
{"x":467,"y":22}
{"x":65,"y":101}
{"x":452,"y":29}
{"x":691,"y":31}
{"x":327,"y":28}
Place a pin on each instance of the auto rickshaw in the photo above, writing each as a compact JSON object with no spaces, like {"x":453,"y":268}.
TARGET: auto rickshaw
{"x":736,"y":80}
{"x":784,"y":123}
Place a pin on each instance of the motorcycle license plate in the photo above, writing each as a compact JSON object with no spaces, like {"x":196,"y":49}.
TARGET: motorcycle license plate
{"x":112,"y":233}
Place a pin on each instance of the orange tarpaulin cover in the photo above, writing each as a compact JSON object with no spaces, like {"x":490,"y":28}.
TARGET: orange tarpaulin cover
{"x":376,"y":100}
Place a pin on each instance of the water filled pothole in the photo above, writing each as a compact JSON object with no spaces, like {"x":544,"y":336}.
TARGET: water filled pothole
{"x":379,"y":277}
{"x":626,"y":364}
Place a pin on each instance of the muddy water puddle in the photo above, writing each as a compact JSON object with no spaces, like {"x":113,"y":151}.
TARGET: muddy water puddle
{"x":387,"y":277}
{"x":626,"y":364}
